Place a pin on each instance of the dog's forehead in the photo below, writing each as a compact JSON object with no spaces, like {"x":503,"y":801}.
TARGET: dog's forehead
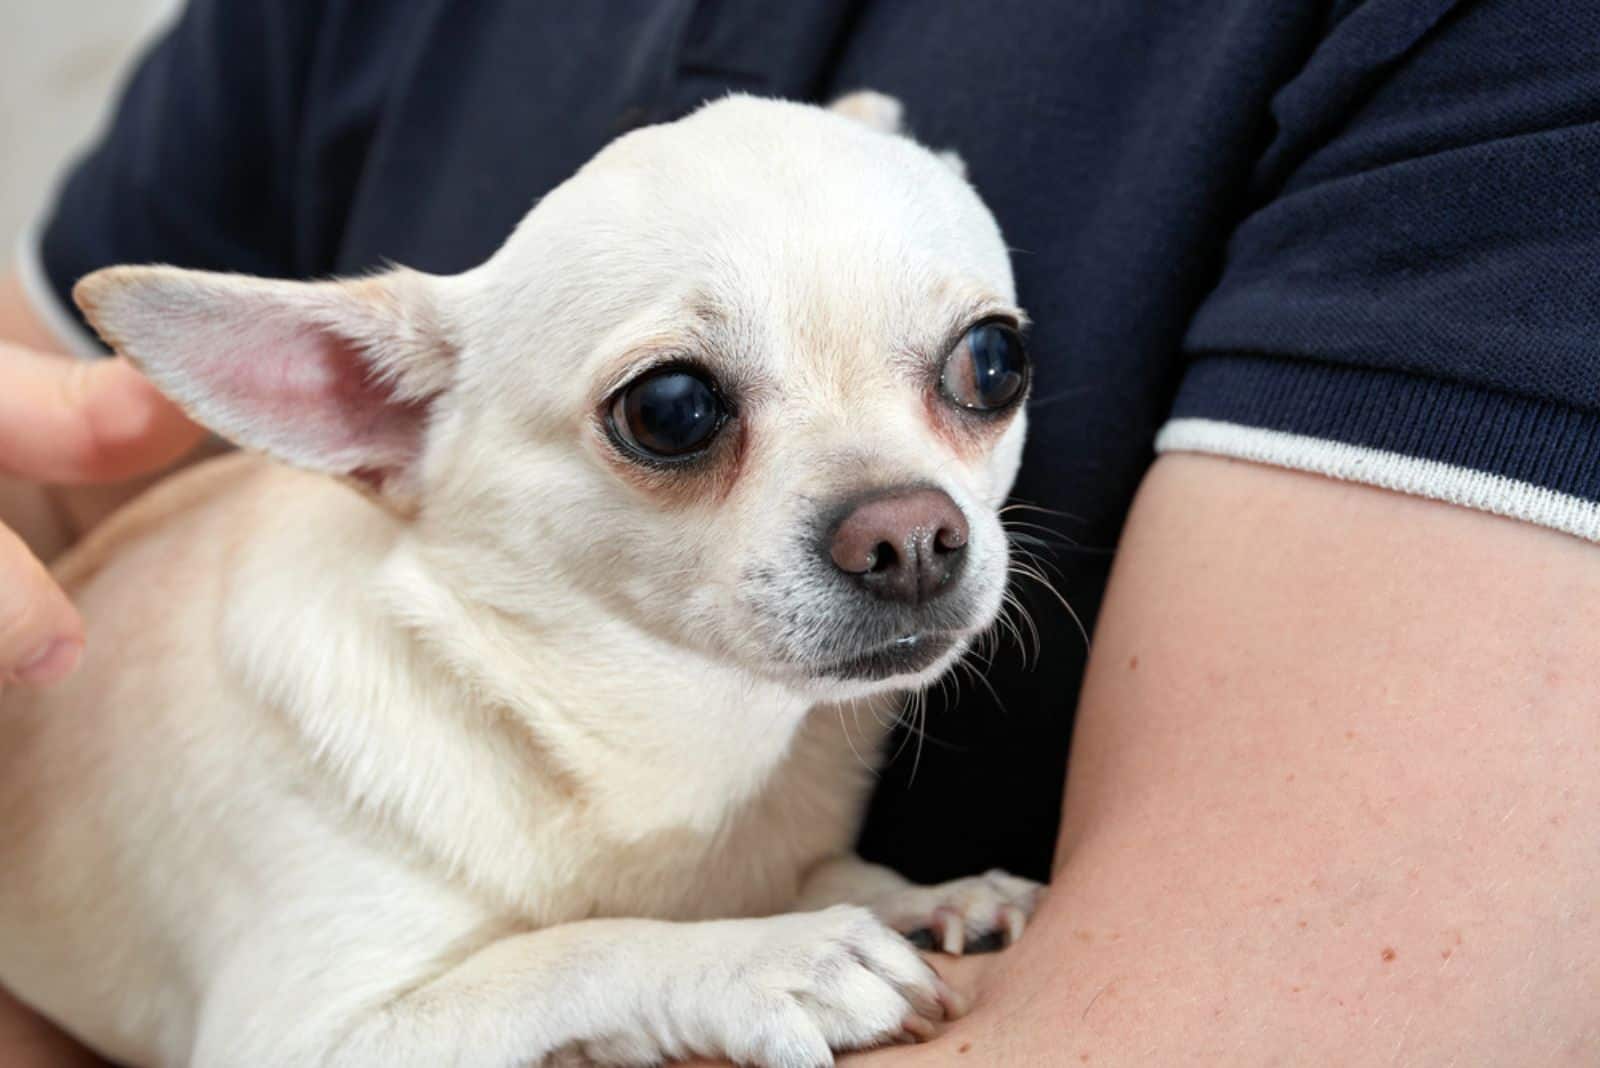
{"x":789,"y":228}
{"x":810,"y":182}
{"x":747,"y":189}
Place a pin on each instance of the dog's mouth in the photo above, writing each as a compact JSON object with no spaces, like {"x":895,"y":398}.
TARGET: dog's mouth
{"x":905,"y":655}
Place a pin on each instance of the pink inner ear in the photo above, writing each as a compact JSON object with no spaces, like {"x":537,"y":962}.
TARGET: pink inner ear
{"x":314,"y":399}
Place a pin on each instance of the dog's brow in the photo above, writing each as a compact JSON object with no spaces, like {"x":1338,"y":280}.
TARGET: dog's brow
{"x":708,"y":313}
{"x":701,"y":326}
{"x":640,"y":357}
{"x":969,"y":312}
{"x":988,"y":306}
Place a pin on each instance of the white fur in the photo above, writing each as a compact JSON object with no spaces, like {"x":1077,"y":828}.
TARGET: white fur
{"x":512,"y":759}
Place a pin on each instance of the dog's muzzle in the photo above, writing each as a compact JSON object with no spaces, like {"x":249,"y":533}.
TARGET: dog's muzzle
{"x":905,"y":655}
{"x":901,"y":553}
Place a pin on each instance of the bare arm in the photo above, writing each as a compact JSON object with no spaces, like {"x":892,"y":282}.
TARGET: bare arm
{"x":1332,"y":797}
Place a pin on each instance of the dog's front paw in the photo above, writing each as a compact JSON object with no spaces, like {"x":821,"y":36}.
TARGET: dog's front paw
{"x":974,"y":915}
{"x":805,"y":984}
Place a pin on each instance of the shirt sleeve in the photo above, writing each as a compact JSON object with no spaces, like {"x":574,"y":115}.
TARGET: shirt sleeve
{"x":195,"y":165}
{"x":1411,"y":299}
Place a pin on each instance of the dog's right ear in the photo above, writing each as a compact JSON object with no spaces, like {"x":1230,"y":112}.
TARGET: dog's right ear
{"x":880,"y":111}
{"x":886,"y":114}
{"x":336,"y":377}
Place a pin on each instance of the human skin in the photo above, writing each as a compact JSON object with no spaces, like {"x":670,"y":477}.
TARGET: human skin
{"x":62,"y":421}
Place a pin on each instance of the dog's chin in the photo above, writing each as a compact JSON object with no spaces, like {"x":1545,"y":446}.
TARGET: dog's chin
{"x":908,"y":654}
{"x":910,"y":661}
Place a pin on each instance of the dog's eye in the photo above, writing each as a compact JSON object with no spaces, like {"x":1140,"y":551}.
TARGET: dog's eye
{"x":668,"y":414}
{"x":988,"y":370}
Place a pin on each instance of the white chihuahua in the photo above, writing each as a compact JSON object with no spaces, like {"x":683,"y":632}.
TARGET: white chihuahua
{"x":528,"y":737}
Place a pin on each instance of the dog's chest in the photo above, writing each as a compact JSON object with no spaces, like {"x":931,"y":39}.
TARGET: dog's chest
{"x":687,"y":875}
{"x":752,"y":861}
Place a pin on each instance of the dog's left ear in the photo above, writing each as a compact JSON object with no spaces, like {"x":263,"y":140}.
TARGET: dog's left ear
{"x":886,"y":115}
{"x":336,"y":377}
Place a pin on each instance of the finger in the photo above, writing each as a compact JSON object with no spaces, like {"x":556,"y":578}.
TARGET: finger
{"x":66,"y":420}
{"x":41,"y":634}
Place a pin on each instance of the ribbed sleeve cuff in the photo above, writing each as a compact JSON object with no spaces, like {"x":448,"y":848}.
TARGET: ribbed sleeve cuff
{"x":1515,"y":456}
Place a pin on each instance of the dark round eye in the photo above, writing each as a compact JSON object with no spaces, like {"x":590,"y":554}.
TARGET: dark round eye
{"x":988,"y":370}
{"x":668,"y":414}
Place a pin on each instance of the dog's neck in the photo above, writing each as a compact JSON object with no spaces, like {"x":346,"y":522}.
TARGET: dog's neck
{"x":624,"y":715}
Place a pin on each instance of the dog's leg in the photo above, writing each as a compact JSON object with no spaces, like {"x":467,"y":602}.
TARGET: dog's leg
{"x":777,"y":992}
{"x":971,"y":915}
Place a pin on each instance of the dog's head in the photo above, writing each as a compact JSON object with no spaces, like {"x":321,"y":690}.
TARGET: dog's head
{"x":752,"y":382}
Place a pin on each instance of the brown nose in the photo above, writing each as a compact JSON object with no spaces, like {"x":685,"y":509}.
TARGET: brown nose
{"x":903,"y":547}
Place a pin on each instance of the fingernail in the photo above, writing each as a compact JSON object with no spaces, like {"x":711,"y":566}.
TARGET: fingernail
{"x":52,"y":662}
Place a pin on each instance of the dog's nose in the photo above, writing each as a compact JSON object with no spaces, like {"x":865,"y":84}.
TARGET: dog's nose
{"x":903,"y":547}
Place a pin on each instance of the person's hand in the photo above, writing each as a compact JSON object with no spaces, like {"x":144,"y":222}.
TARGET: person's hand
{"x":68,"y":421}
{"x":64,"y":421}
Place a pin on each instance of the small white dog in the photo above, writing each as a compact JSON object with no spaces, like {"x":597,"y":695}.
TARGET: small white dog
{"x":524,"y":738}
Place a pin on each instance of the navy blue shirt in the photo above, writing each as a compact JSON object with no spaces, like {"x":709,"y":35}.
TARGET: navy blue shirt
{"x":1354,"y":238}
